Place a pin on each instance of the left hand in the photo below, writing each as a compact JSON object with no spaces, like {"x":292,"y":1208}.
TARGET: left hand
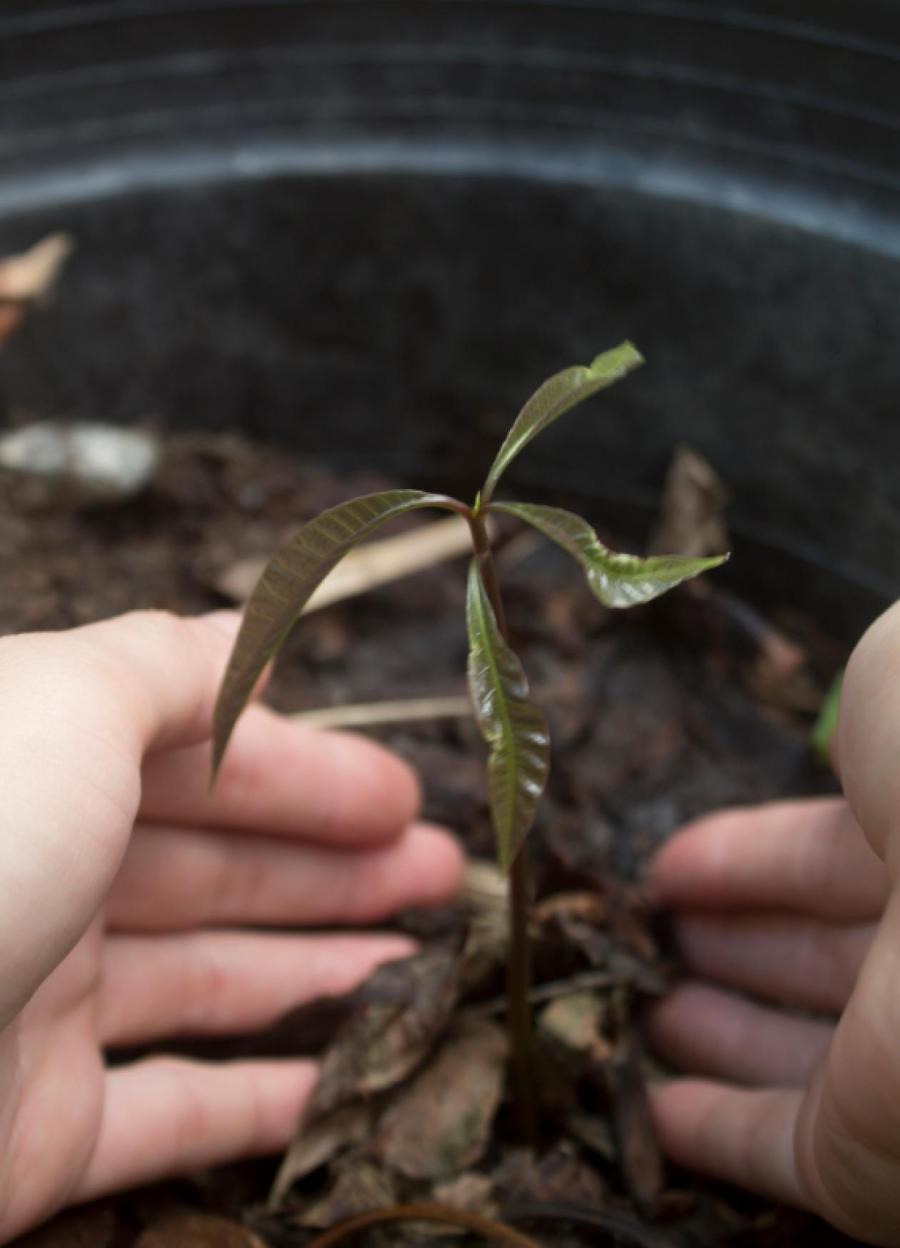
{"x":131,"y":900}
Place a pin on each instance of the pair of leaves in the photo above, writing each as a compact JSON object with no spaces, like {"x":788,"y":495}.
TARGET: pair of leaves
{"x":514,"y":729}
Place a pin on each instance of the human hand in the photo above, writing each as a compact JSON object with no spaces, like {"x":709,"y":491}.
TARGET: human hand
{"x":125,"y":887}
{"x":798,"y":904}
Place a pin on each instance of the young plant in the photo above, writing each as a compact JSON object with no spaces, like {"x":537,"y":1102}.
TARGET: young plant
{"x":514,"y":729}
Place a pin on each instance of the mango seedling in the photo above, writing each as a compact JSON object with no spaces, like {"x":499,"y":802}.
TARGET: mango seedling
{"x":513,"y":727}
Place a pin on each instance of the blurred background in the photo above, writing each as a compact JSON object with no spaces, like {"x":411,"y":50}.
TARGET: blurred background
{"x":367,"y":229}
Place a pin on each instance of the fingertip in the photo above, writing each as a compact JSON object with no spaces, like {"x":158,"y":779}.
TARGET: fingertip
{"x":441,"y":861}
{"x":673,"y":870}
{"x":377,"y":793}
{"x":284,"y":1089}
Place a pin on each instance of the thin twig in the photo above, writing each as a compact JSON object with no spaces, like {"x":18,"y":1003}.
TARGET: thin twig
{"x":367,"y":566}
{"x":494,"y":1231}
{"x":398,"y":711}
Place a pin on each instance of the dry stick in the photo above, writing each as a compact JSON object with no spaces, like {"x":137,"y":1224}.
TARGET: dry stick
{"x":368,"y":566}
{"x":475,"y":1222}
{"x":398,"y":711}
{"x":519,"y":966}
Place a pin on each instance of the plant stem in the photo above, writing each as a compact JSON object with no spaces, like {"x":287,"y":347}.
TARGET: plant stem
{"x":518,"y":965}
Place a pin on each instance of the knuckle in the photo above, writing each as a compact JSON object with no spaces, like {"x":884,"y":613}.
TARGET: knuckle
{"x":237,"y":890}
{"x":208,"y":986}
{"x":188,"y":1122}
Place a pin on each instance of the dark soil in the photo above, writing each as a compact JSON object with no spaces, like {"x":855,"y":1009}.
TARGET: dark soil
{"x":656,"y":715}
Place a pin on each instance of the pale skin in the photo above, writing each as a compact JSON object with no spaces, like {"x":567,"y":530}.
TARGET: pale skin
{"x":126,"y":892}
{"x":797,"y":905}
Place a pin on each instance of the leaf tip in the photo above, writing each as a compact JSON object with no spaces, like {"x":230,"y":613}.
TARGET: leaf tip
{"x":623,"y":359}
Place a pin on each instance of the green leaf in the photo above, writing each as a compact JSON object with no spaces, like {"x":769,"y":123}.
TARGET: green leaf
{"x":825,"y":727}
{"x":513,"y":727}
{"x":288,"y":581}
{"x":617,"y":580}
{"x":554,"y":398}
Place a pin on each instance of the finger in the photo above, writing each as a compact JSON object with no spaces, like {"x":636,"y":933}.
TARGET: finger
{"x":166,"y":1116}
{"x":794,"y":961}
{"x":178,"y":878}
{"x":808,"y":856}
{"x":209,"y":983}
{"x":705,"y":1031}
{"x":745,"y":1137}
{"x":286,"y":778}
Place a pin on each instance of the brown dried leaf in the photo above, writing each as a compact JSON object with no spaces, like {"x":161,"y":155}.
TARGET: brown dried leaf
{"x":594,"y":1132}
{"x":409,"y":1005}
{"x":572,"y":1024}
{"x":691,"y":510}
{"x":28,"y":276}
{"x":640,"y":1154}
{"x":473,"y":1191}
{"x":319,"y":1142}
{"x":359,"y":1186}
{"x":440,"y":1124}
{"x":385,"y":1042}
{"x":559,"y":1176}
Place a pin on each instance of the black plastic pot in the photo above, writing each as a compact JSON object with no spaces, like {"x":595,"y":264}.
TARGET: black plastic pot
{"x":368,"y":228}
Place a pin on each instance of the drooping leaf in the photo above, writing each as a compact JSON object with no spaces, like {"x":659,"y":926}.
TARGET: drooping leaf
{"x":617,"y":580}
{"x":288,"y":581}
{"x":513,"y":728}
{"x":554,"y":398}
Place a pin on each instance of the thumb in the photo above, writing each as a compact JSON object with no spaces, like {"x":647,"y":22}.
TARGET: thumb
{"x":165,"y":670}
{"x":80,"y":710}
{"x":869,"y":736}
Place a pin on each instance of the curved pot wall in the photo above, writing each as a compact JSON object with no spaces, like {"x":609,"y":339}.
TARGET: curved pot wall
{"x":368,"y":228}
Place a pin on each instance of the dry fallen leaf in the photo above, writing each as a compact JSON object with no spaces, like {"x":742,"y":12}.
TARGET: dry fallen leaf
{"x":358,"y":1187}
{"x":693,"y":501}
{"x":557,"y":1176}
{"x":30,"y":274}
{"x":411,"y":1002}
{"x":322,"y":1140}
{"x":572,"y":1024}
{"x":440,"y":1124}
{"x":640,"y":1154}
